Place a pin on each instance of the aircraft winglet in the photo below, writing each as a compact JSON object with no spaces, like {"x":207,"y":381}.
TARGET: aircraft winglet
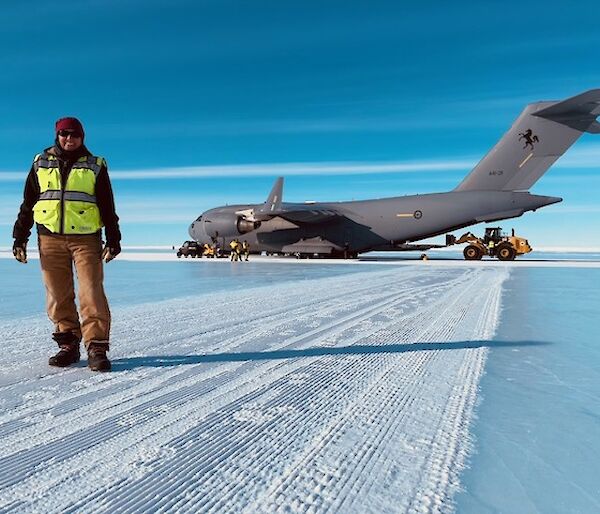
{"x":273,"y":202}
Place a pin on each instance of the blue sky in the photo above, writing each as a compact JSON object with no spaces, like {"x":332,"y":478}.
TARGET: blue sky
{"x":209,"y":101}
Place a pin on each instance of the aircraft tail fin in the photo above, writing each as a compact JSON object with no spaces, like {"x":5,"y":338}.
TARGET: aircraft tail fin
{"x":540,"y":135}
{"x":273,"y":202}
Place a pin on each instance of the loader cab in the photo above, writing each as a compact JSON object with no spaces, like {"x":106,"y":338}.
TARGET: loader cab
{"x":493,"y":235}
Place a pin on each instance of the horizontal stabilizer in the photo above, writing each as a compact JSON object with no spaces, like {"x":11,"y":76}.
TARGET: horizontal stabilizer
{"x":579,"y":112}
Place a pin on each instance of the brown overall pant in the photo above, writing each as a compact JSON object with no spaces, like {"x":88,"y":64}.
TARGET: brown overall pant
{"x":58,"y":253}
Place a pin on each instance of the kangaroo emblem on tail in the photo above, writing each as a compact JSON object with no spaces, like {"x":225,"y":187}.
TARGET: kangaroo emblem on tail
{"x":529,"y":138}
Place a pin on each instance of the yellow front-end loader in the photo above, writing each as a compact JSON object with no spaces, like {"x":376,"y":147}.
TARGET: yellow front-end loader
{"x":495,"y":244}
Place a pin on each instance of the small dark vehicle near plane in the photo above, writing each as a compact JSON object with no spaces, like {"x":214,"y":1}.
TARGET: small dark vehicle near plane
{"x":190,"y":249}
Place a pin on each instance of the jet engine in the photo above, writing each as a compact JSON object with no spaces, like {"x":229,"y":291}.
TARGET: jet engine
{"x":228,"y":224}
{"x":244,"y":226}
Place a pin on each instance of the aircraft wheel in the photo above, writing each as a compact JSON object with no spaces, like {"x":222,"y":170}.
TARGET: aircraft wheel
{"x":506,"y":253}
{"x":178,"y":255}
{"x":472,"y":253}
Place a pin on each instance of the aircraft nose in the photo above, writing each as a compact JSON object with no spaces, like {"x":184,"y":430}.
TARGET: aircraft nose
{"x":197,"y":232}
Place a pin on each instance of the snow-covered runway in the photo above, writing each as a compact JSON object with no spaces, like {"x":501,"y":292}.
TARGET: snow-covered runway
{"x":345,"y":394}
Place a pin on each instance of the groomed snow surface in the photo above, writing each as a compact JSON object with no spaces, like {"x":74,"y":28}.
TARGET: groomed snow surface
{"x":346,"y":394}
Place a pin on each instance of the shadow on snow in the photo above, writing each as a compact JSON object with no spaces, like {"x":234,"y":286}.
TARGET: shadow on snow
{"x":162,"y":361}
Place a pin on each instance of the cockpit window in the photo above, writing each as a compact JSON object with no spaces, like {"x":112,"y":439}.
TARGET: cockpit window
{"x":199,"y":218}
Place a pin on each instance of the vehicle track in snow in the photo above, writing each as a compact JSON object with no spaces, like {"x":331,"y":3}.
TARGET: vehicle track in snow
{"x":348,"y":394}
{"x":194,"y":334}
{"x":60,"y":429}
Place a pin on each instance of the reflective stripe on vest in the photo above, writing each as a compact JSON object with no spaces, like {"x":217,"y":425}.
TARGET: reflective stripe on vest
{"x":72,"y":210}
{"x":68,"y":195}
{"x":50,"y":195}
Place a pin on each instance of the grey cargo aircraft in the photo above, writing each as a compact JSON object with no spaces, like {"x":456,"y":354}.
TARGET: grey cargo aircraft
{"x":496,"y":189}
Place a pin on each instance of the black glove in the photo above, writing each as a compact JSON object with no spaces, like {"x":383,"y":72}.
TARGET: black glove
{"x":20,"y":251}
{"x":111,"y":250}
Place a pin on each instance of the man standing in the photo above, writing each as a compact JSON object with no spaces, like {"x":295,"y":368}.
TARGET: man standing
{"x":245,"y":250}
{"x":235,"y":252}
{"x":69,"y":196}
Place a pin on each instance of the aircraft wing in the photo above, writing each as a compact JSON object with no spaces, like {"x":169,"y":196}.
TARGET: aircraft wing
{"x":306,"y":214}
{"x":293,"y":212}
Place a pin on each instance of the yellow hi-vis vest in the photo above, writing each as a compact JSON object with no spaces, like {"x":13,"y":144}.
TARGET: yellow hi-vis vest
{"x":74,"y":209}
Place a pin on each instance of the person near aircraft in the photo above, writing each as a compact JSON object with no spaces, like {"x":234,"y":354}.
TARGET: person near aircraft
{"x":208,"y":251}
{"x":69,"y":196}
{"x":235,"y":251}
{"x":245,"y":250}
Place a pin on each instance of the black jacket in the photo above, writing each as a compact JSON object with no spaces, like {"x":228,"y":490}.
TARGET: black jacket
{"x":104,"y":198}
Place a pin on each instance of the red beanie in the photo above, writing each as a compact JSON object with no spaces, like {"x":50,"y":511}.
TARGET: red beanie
{"x":69,"y":124}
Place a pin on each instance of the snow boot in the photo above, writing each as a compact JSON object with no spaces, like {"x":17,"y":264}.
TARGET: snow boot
{"x":97,"y":359}
{"x":69,"y":349}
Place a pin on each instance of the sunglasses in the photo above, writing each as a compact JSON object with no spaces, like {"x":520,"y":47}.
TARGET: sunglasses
{"x":67,"y":133}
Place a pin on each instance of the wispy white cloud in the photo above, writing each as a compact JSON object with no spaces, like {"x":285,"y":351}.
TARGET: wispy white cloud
{"x":170,"y":209}
{"x":286,"y":169}
{"x":573,"y":209}
{"x":587,"y":156}
{"x":166,"y":218}
{"x":12,"y":176}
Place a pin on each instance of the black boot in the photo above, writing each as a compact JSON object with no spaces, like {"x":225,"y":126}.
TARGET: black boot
{"x":69,"y":349}
{"x":97,"y":359}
